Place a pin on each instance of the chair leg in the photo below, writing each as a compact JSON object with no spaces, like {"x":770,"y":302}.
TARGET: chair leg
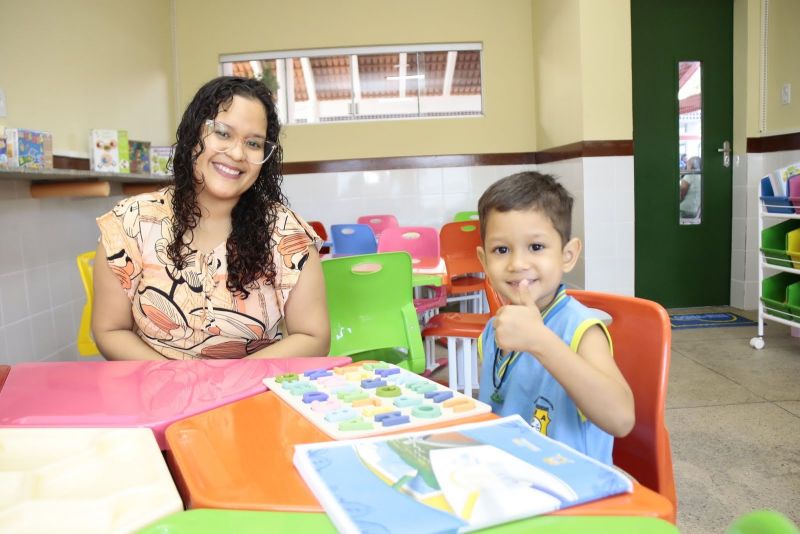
{"x":452,"y":364}
{"x":466,"y":364}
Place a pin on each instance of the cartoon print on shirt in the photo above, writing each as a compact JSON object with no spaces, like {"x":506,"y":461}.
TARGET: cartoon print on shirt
{"x":541,"y":414}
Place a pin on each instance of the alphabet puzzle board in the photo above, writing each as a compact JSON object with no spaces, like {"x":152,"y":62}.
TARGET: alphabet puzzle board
{"x":371,"y":398}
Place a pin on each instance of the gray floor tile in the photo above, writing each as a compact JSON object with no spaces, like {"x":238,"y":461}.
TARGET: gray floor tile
{"x":772,"y":373}
{"x":732,"y":459}
{"x":791,"y":407}
{"x":693,"y":385}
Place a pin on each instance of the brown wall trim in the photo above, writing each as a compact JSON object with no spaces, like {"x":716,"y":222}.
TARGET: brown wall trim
{"x":408,"y":162}
{"x":586,"y":149}
{"x":774,"y":143}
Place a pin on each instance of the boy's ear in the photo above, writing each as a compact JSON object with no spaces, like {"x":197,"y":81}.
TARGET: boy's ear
{"x":481,"y":256}
{"x":570,"y":254}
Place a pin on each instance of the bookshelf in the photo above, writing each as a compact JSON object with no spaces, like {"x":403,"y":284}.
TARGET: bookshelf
{"x":81,"y":182}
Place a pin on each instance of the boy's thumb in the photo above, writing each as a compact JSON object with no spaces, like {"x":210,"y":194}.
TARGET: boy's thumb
{"x":525,"y":294}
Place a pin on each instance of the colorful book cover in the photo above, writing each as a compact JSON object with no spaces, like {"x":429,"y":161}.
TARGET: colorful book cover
{"x":140,"y":156}
{"x":124,"y":152}
{"x":782,"y":176}
{"x":159,"y":159}
{"x":31,"y":149}
{"x":3,"y":151}
{"x":455,"y":479}
{"x":104,"y":150}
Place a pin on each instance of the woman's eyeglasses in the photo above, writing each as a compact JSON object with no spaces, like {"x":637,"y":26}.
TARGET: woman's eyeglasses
{"x":220,"y":137}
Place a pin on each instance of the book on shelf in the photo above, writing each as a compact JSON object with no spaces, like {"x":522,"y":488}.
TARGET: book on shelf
{"x":3,"y":153}
{"x":29,"y":149}
{"x":783,"y":174}
{"x":454,"y":479}
{"x":109,"y":151}
{"x":139,"y":156}
{"x":159,"y":159}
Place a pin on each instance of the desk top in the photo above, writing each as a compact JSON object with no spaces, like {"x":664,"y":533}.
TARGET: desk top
{"x":135,"y":393}
{"x":250,"y":464}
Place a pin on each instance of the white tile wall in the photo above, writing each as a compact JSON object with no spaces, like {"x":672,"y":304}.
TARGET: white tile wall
{"x":41,"y":295}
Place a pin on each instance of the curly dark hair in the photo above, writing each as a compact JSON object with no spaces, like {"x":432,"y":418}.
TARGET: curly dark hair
{"x":253,"y":217}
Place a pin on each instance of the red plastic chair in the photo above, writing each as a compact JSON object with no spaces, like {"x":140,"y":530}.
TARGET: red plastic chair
{"x":378,"y":223}
{"x":319,"y":228}
{"x":458,"y":242}
{"x":641,"y":335}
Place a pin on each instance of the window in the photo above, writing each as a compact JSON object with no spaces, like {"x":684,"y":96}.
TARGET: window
{"x":376,"y":83}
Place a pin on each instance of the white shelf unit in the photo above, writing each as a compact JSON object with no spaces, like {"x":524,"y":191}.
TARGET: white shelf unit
{"x":765,"y":312}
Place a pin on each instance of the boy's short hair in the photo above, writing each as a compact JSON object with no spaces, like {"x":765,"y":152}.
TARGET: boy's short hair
{"x":529,"y":191}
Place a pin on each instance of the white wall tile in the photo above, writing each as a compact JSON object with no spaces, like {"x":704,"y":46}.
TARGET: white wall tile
{"x":44,"y":337}
{"x":37,"y":286}
{"x":456,"y":180}
{"x":65,"y":330}
{"x":19,"y":342}
{"x":737,"y":294}
{"x":429,"y":182}
{"x":15,"y":298}
{"x":4,"y":357}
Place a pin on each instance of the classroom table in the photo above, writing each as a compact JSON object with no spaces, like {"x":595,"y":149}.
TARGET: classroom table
{"x":83,"y":480}
{"x":209,"y":521}
{"x":149,"y":394}
{"x":240,"y":456}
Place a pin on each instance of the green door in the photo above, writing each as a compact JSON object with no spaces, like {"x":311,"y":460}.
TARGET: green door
{"x":682,"y":117}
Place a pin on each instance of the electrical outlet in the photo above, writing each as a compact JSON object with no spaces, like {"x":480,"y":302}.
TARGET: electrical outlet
{"x":3,"y":111}
{"x":786,"y":93}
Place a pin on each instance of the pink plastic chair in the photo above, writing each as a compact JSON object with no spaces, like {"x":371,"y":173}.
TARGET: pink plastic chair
{"x":378,"y":223}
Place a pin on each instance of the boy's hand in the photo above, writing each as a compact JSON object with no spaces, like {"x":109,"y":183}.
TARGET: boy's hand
{"x":516,"y":324}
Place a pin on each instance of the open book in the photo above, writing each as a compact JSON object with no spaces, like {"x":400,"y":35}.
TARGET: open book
{"x":455,"y":479}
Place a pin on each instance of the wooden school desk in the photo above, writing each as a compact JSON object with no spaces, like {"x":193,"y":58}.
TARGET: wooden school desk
{"x":239,"y":456}
{"x":149,"y":394}
{"x":4,"y":369}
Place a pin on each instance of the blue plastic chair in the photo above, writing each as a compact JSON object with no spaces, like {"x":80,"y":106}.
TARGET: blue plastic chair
{"x":351,"y":239}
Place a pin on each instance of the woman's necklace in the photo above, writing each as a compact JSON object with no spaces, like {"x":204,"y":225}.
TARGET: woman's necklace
{"x":502,"y":372}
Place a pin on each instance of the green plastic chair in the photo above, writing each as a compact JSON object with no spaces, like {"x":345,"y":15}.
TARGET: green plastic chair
{"x":203,"y":521}
{"x":462,"y":216}
{"x":371,"y":309}
{"x":763,"y":522}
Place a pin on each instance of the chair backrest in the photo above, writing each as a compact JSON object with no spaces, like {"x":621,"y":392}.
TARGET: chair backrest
{"x":350,"y":239}
{"x":378,"y":223}
{"x":465,"y":216}
{"x":85,"y":343}
{"x":458,"y":242}
{"x":641,"y":337}
{"x":319,"y":228}
{"x":371,"y":308}
{"x":419,"y":241}
{"x":492,"y":297}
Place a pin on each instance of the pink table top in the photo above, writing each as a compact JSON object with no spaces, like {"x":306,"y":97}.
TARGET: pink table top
{"x":135,"y":394}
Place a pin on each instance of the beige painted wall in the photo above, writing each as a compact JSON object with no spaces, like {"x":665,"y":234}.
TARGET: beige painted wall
{"x":504,"y":28}
{"x":583,"y":71}
{"x":783,"y":66}
{"x":70,"y":66}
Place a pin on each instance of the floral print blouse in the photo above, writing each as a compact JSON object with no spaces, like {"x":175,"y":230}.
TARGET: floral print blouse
{"x":190,"y":313}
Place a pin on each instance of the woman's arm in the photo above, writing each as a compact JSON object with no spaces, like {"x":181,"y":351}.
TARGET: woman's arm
{"x":306,"y":316}
{"x":112,"y":317}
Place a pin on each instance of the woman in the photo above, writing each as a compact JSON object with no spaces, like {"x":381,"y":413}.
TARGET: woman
{"x":208,"y":266}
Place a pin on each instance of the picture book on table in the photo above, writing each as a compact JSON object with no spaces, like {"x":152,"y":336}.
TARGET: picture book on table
{"x":31,"y":149}
{"x":109,"y":151}
{"x":454,"y":479}
{"x":140,"y":156}
{"x":159,"y":159}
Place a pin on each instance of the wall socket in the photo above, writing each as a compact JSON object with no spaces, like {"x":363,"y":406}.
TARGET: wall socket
{"x":786,"y":93}
{"x":3,"y":111}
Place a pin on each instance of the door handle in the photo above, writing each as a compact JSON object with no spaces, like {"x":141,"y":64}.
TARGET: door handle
{"x":726,"y":153}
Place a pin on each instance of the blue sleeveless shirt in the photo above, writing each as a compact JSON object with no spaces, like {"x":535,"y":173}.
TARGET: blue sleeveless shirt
{"x":529,"y":390}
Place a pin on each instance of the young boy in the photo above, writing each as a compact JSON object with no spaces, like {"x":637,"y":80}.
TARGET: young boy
{"x":545,"y":355}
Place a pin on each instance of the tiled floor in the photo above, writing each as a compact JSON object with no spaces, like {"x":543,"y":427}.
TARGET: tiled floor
{"x":734,"y":419}
{"x":733,"y":415}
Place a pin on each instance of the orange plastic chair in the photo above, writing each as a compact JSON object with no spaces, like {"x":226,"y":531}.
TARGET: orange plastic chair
{"x":641,"y":335}
{"x":458,"y":242}
{"x":461,"y":329}
{"x":85,"y":342}
{"x":378,"y":223}
{"x":319,"y":228}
